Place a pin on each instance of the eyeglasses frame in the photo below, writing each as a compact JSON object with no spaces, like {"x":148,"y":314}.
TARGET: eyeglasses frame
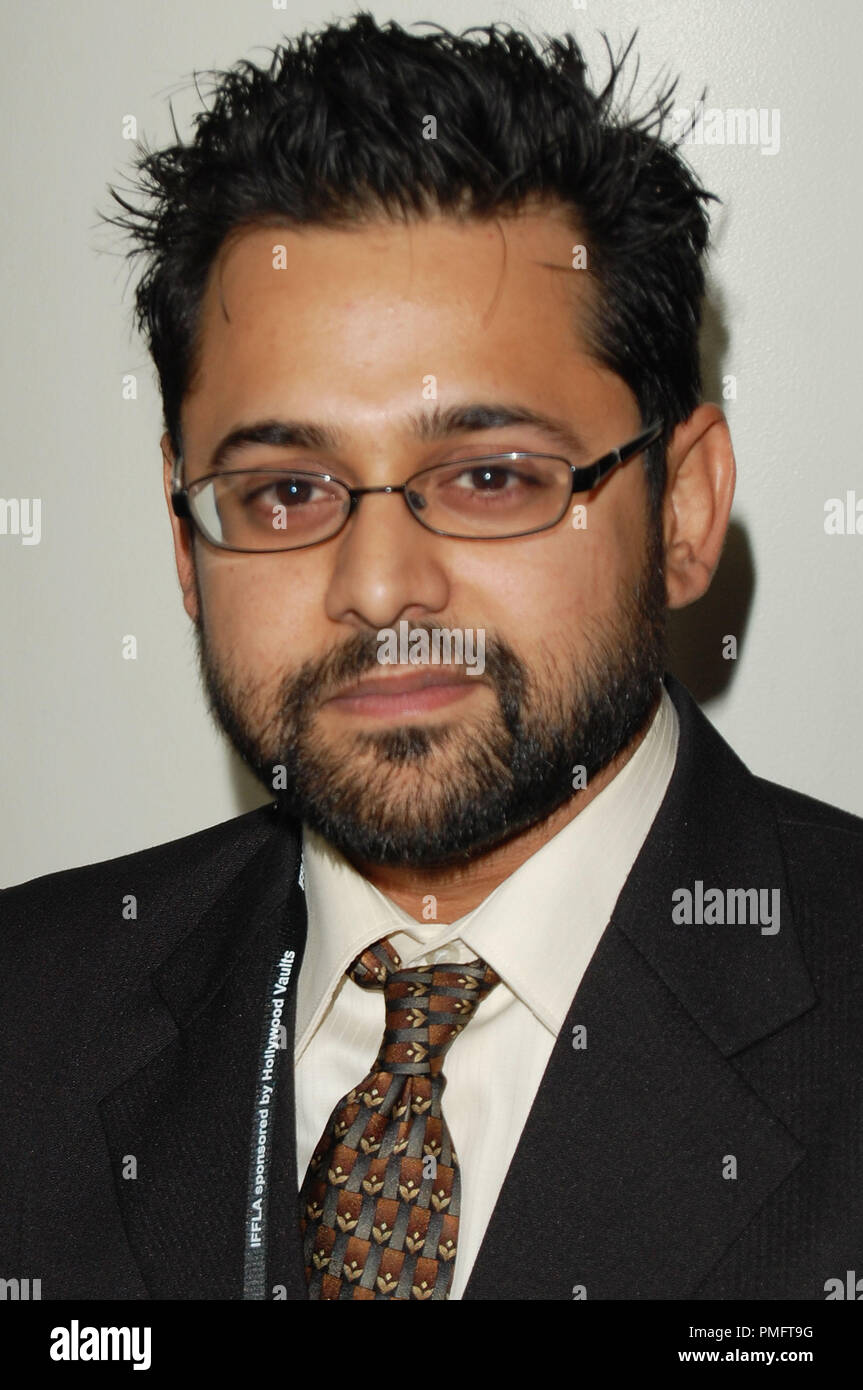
{"x":584,"y":479}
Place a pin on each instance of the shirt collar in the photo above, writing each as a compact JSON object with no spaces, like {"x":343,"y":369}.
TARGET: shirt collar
{"x":566,"y":891}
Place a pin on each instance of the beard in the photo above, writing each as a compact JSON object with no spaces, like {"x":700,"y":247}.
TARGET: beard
{"x":432,"y":796}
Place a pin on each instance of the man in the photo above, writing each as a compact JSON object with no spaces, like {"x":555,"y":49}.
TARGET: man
{"x":523,"y":987}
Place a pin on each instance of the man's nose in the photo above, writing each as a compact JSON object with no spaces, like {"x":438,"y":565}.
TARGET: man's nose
{"x":387,"y":566}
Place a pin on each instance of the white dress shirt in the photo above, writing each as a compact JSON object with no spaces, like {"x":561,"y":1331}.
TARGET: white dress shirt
{"x":538,"y":929}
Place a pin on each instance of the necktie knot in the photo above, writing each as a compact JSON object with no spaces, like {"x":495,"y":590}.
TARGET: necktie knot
{"x":426,"y":1007}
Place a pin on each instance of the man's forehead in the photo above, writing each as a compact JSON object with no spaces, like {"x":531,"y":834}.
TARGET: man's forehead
{"x":365,"y":312}
{"x":537,"y":248}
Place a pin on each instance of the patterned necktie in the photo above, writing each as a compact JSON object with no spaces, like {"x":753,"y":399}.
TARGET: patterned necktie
{"x":379,"y":1206}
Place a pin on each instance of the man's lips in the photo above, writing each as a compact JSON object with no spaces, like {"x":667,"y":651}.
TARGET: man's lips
{"x":414,"y":693}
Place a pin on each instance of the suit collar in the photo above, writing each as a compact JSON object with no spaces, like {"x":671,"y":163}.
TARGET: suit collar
{"x":179,"y":1124}
{"x":211,"y":951}
{"x":717,"y":826}
{"x":647,"y":1153}
{"x":645,"y":1156}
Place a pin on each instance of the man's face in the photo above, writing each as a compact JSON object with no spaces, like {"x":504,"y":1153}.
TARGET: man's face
{"x":357,"y":333}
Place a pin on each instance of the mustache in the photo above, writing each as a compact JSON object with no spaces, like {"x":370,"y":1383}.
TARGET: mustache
{"x":321,"y":678}
{"x":318,"y":679}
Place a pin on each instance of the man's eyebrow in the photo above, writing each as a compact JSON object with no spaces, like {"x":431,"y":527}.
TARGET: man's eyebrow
{"x":285,"y":434}
{"x":459,"y":419}
{"x":426,"y":426}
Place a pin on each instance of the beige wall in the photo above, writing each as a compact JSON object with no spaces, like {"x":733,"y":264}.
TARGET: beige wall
{"x":102,"y":755}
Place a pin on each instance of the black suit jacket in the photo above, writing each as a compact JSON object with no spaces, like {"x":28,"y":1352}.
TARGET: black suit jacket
{"x":139,"y":1039}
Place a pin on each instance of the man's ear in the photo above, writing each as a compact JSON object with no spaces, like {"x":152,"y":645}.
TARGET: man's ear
{"x":699,"y":491}
{"x":183,"y":539}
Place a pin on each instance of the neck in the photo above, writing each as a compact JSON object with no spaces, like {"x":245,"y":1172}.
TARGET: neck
{"x":459,"y":888}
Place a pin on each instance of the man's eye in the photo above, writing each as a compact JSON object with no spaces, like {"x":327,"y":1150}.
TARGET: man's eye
{"x":490,"y":478}
{"x":285,"y":492}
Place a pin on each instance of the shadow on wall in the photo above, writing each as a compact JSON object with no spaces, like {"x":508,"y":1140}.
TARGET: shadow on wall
{"x":697,"y":635}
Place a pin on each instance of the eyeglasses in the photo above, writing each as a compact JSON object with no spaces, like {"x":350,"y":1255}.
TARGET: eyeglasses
{"x":495,"y":497}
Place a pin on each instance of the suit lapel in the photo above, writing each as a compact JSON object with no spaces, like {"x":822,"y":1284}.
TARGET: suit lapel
{"x":620,"y":1185}
{"x":179,"y":1124}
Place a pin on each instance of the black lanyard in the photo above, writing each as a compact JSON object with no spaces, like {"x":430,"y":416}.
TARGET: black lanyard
{"x":270,"y":1062}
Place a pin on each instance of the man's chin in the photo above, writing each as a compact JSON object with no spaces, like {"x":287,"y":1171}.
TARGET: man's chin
{"x":424,"y":846}
{"x":412,"y":819}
